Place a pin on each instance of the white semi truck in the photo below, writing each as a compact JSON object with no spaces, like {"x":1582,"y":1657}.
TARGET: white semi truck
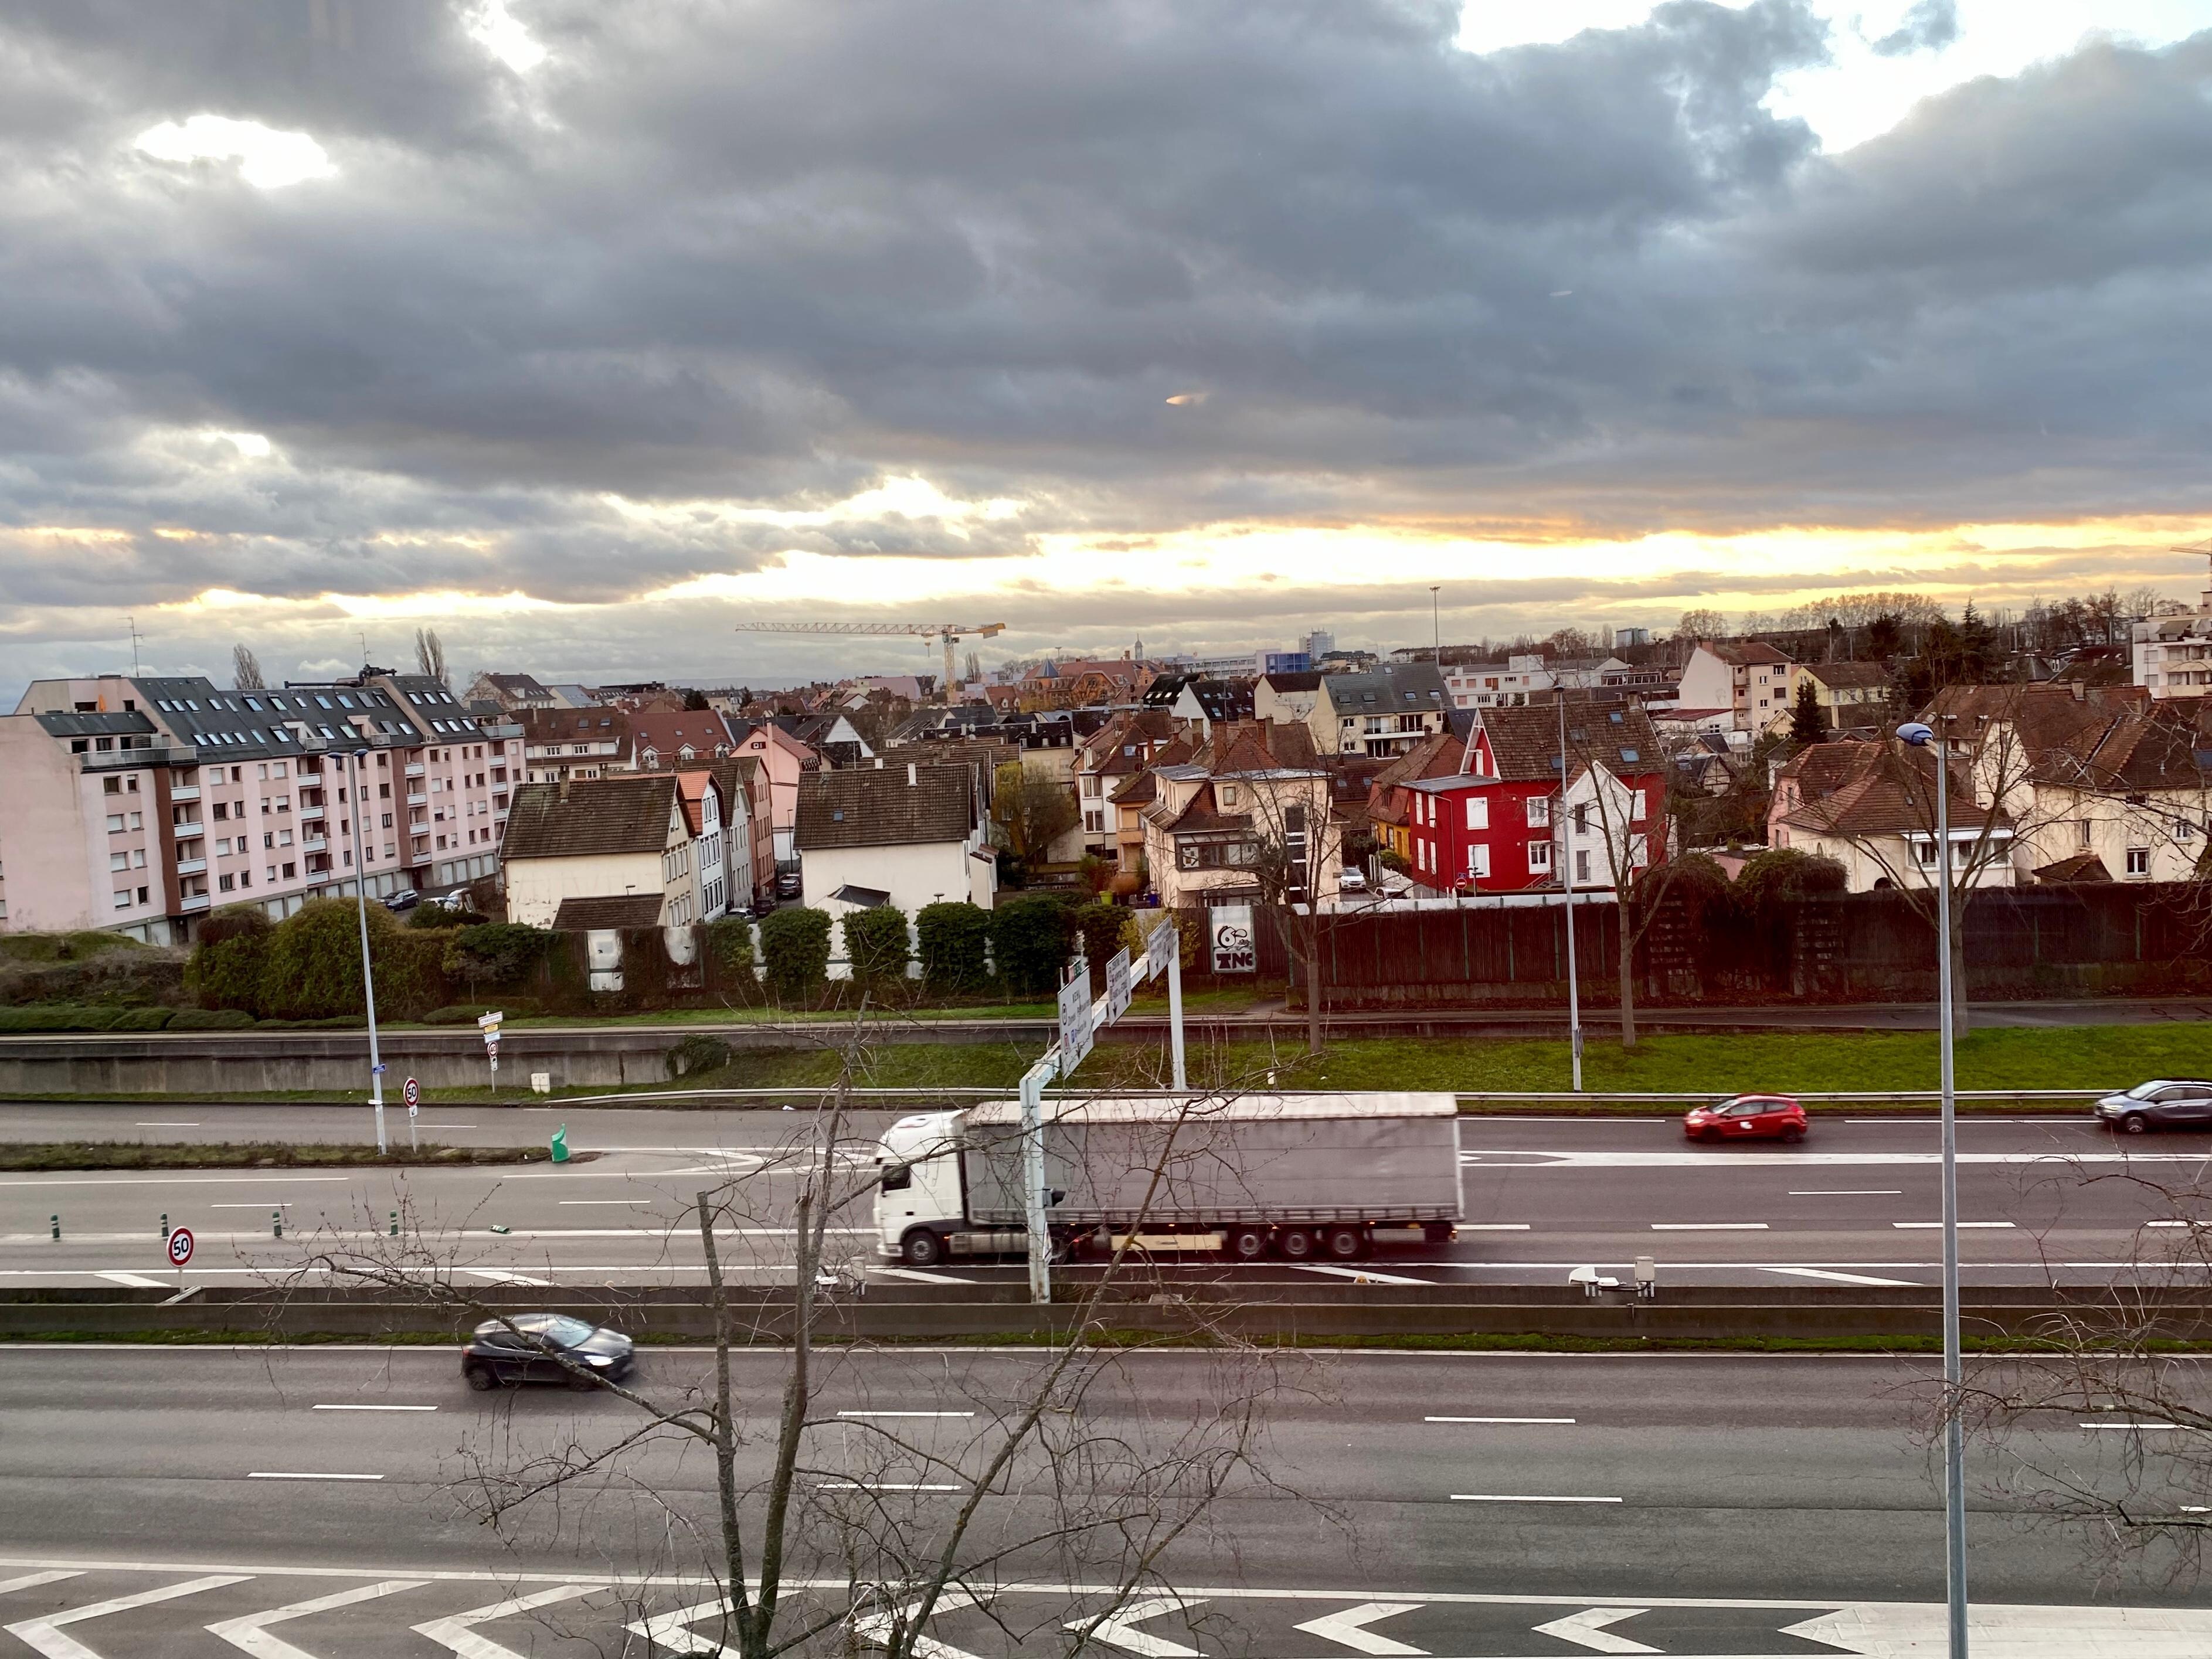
{"x":1305,"y":1177}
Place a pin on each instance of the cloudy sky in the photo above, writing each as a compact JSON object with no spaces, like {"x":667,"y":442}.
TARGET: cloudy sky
{"x":581,"y":331}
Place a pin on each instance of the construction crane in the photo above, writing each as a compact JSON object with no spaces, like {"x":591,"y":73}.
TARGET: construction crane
{"x":949,"y":633}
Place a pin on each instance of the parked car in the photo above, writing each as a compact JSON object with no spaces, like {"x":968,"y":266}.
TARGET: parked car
{"x":1350,"y":881}
{"x":2155,"y":1104}
{"x":788,"y":885}
{"x":532,"y":1351}
{"x":405,"y":899}
{"x":1747,"y":1117}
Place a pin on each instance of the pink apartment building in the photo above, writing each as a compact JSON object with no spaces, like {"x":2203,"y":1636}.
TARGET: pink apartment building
{"x":141,"y":803}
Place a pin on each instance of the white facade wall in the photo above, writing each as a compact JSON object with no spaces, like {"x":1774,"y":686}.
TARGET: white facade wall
{"x":535,"y":887}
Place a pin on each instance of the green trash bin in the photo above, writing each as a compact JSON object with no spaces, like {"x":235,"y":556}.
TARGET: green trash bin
{"x":560,"y":1144}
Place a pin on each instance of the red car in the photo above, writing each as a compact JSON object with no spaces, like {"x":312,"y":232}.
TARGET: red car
{"x":1747,"y":1117}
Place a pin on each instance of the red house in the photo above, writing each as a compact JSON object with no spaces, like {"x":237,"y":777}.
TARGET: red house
{"x":1499,"y":825}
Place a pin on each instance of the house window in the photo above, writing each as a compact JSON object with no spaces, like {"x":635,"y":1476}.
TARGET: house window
{"x":1540,"y":856}
{"x":1478,"y":861}
{"x":1582,"y":866}
{"x":2138,"y":860}
{"x":1582,"y":817}
{"x":2084,"y":828}
{"x":1478,"y":813}
{"x":1539,"y":812}
{"x":1636,"y":807}
{"x":1925,"y":852}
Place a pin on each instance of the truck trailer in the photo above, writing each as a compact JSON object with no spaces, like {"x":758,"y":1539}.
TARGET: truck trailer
{"x":1305,"y":1176}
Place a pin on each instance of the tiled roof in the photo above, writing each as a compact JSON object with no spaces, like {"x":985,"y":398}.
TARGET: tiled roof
{"x":578,"y":916}
{"x":1224,"y":700}
{"x":591,"y":816}
{"x":877,"y":806}
{"x":593,"y":725}
{"x":1743,"y":654}
{"x":1249,"y":745}
{"x":1848,"y":676}
{"x":1395,"y":688}
{"x":667,"y":735}
{"x":1310,"y":681}
{"x":2081,"y":866}
{"x":1525,"y":742}
{"x":1887,"y":791}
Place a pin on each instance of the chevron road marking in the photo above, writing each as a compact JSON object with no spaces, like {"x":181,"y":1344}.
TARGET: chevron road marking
{"x":1349,"y":1628}
{"x":1588,"y":1629}
{"x":457,"y":1634}
{"x":1121,"y":1629}
{"x":876,"y":1628}
{"x":673,"y":1630}
{"x":32,"y":1580}
{"x":1910,"y":1629}
{"x":248,"y":1635}
{"x":1366,"y":1274}
{"x":44,"y":1636}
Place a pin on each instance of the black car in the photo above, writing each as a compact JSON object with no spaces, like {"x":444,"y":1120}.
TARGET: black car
{"x":534,"y":1351}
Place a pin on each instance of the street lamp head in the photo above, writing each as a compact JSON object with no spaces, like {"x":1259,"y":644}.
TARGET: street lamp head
{"x":360,"y":756}
{"x":1917,"y":733}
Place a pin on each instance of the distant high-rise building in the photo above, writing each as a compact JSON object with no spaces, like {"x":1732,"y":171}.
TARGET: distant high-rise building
{"x":1319,"y":644}
{"x":1627,"y":636}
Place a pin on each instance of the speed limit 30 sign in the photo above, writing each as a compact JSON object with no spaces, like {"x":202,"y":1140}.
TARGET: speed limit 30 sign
{"x":180,"y":1247}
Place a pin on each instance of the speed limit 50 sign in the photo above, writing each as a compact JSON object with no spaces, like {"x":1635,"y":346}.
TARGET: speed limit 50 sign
{"x":180,"y":1247}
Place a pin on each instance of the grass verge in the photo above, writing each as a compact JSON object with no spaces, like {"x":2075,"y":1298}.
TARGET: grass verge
{"x":246,"y":1155}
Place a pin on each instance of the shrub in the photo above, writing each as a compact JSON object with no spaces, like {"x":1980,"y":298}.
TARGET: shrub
{"x":312,"y":968}
{"x":955,"y":941}
{"x":495,"y":953}
{"x":876,"y":946}
{"x":210,"y":1019}
{"x":795,"y":943}
{"x":229,"y":962}
{"x":731,"y":939}
{"x":466,"y":1013}
{"x":1100,"y":926}
{"x":696,"y":1054}
{"x":1781,"y":873}
{"x":1030,"y":937}
{"x":141,"y":1019}
{"x":1137,"y":930}
{"x":57,"y":1017}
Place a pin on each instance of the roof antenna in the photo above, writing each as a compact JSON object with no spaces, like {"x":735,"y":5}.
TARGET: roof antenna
{"x":135,"y":637}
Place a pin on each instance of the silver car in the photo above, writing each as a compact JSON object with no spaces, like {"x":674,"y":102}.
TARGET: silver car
{"x":2161,"y":1102}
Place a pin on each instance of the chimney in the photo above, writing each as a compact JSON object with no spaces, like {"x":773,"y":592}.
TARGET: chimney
{"x":2080,"y":691}
{"x":913,"y":775}
{"x":564,"y":783}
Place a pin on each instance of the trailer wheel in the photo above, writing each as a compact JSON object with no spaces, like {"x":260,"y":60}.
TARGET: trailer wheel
{"x":922,"y":1248}
{"x":1246,"y":1244}
{"x":1344,"y":1243}
{"x":1297,"y":1243}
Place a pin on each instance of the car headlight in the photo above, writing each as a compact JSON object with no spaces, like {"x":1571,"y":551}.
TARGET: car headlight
{"x":599,"y":1359}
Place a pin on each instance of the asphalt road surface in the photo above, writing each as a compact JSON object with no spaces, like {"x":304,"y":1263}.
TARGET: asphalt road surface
{"x":1473,"y":1505}
{"x":2044,"y":1199}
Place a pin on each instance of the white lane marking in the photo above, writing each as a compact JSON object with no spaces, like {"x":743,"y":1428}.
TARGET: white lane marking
{"x":920,"y":1277}
{"x":877,"y":1629}
{"x":1739,"y":1157}
{"x":1497,"y":1420}
{"x":44,"y":1636}
{"x":137,"y":1281}
{"x":906,"y":1413}
{"x":258,"y":1204}
{"x":448,"y":1126}
{"x":373,"y":1408}
{"x":193,"y":1179}
{"x":305,"y":1475}
{"x":1848,"y":1192}
{"x":1588,"y":1629}
{"x":32,"y":1580}
{"x":2130,"y":1425}
{"x":1522,"y":1498}
{"x":567,"y":1202}
{"x":1491,"y":1226}
{"x":457,"y":1634}
{"x":248,"y":1635}
{"x":2173,"y":1224}
{"x":1367,"y":1273}
{"x":165,"y":1123}
{"x":1923,"y":1227}
{"x":1709,"y":1227}
{"x":1120,"y":1628}
{"x":500,"y":1276}
{"x":673,"y":1629}
{"x":1842,"y":1278}
{"x":1349,"y":1628}
{"x":881,"y":1485}
{"x":1892,"y":1630}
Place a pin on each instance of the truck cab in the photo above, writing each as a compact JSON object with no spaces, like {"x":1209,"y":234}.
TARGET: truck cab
{"x":919,"y":1203}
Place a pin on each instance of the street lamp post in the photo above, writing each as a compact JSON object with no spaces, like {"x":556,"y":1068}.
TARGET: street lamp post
{"x":368,"y":978}
{"x":1921,"y":736}
{"x":1436,"y":628}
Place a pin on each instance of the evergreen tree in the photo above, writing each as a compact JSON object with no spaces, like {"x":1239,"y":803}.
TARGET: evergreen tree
{"x":1809,"y":721}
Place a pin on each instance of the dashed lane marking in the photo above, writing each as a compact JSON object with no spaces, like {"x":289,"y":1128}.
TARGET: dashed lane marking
{"x":1709,"y":1227}
{"x":1524,"y":1498}
{"x":1497,"y":1420}
{"x":1367,"y":1273}
{"x":920,"y":1277}
{"x":1925,"y":1226}
{"x":373,"y":1408}
{"x":305,"y":1475}
{"x":1841,"y":1278}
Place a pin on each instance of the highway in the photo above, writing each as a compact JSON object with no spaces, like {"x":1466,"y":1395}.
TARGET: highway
{"x":2044,"y":1199}
{"x":1708,"y":1505}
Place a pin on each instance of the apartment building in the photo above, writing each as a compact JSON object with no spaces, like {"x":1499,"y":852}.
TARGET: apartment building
{"x":1746,"y":678}
{"x":139,"y":803}
{"x":1383,"y":713}
{"x":561,"y":745}
{"x":2173,"y":655}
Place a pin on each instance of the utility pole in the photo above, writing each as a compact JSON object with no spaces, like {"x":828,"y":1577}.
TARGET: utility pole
{"x":1435,"y":629}
{"x":367,"y":977}
{"x":132,"y":622}
{"x":1955,"y":1448}
{"x":1565,"y":826}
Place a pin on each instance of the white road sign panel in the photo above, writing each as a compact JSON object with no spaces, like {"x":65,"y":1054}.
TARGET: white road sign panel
{"x":1074,"y":1021}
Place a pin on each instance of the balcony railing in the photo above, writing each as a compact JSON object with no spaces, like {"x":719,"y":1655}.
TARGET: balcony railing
{"x":184,"y":792}
{"x":307,"y":811}
{"x":315,"y":843}
{"x":415,"y":769}
{"x":415,"y":797}
{"x":191,"y":866}
{"x":193,"y":902}
{"x":182,"y":830}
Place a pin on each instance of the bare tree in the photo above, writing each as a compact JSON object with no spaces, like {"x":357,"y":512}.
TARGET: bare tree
{"x":1031,"y":810}
{"x":245,"y":669}
{"x":1294,"y":855}
{"x":430,"y":655}
{"x":1037,"y":1479}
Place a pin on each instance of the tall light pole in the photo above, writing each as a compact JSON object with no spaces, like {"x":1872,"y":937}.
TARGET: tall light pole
{"x":1567,"y":875}
{"x":1436,"y":628}
{"x":368,"y":978}
{"x":1954,"y":1449}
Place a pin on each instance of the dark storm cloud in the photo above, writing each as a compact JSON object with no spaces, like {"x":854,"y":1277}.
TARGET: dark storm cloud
{"x":773,"y":253}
